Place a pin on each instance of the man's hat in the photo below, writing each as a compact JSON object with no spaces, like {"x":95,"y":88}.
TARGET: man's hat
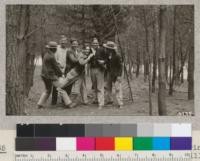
{"x":51,"y":45}
{"x":95,"y":41}
{"x":110,"y":45}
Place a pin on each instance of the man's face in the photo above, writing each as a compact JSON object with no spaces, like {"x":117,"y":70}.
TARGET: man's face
{"x":95,"y":46}
{"x":75,"y":45}
{"x":53,"y":50}
{"x":63,"y":45}
{"x":87,"y":51}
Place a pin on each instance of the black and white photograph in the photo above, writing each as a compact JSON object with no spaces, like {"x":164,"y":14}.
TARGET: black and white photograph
{"x":100,"y":60}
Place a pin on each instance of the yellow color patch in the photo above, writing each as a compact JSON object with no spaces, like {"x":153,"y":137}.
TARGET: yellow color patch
{"x":124,"y":143}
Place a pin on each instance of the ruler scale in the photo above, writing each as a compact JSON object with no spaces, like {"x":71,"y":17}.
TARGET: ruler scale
{"x":104,"y":156}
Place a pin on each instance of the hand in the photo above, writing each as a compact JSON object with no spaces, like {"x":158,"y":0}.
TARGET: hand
{"x":101,"y":61}
{"x":91,"y":55}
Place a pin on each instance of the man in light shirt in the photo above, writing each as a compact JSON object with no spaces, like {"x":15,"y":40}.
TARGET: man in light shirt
{"x":60,"y":57}
{"x":61,"y":54}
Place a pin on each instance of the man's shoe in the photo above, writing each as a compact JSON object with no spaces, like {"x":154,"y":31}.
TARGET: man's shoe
{"x":40,"y":106}
{"x":120,"y":106}
{"x":109,"y":103}
{"x":72,"y":105}
{"x":84,"y":103}
{"x":53,"y":103}
{"x":95,"y":102}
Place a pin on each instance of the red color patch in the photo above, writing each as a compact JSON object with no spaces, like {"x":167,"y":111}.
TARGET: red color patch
{"x":105,"y":143}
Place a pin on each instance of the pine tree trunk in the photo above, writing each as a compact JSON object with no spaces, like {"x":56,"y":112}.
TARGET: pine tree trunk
{"x":154,"y":59}
{"x":16,"y":59}
{"x":161,"y":63}
{"x":191,"y":74}
{"x":146,"y":56}
{"x":174,"y":72}
{"x":138,"y":62}
{"x":148,"y":61}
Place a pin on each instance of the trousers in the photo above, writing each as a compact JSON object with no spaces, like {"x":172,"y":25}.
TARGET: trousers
{"x":82,"y":89}
{"x":118,"y":89}
{"x":48,"y":89}
{"x":97,"y":77}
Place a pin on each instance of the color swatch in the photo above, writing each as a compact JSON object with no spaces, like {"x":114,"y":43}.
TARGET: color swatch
{"x":143,"y":143}
{"x":124,"y":143}
{"x":161,"y":143}
{"x":106,"y":137}
{"x":68,"y":143}
{"x":105,"y":143}
{"x":85,"y":143}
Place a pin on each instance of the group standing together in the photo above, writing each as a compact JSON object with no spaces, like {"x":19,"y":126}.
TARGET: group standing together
{"x":62,"y":67}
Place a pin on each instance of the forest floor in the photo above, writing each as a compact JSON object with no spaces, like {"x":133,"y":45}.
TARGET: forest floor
{"x":140,"y":107}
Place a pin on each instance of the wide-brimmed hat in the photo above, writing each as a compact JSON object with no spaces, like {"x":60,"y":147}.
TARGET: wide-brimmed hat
{"x":51,"y":45}
{"x":95,"y":41}
{"x":110,"y":45}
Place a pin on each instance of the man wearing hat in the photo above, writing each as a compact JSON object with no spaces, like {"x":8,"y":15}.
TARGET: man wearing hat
{"x":97,"y":69}
{"x":50,"y":74}
{"x":113,"y":73}
{"x":60,"y":56}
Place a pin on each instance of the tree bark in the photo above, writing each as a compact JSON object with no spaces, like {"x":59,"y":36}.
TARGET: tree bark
{"x":154,"y":59}
{"x":16,"y":60}
{"x":174,"y":72}
{"x":191,"y":74}
{"x":146,"y":65}
{"x":138,"y":61}
{"x":161,"y":68}
{"x":147,"y":61}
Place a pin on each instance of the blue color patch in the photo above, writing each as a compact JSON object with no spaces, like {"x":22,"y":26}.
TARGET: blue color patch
{"x":161,"y":143}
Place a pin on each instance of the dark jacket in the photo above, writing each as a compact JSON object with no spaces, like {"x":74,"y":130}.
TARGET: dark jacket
{"x":100,"y":55}
{"x":73,"y":62}
{"x":50,"y":68}
{"x":114,"y":65}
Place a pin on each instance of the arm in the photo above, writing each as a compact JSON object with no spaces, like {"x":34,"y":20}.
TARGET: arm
{"x":83,"y":61}
{"x":72,"y":57}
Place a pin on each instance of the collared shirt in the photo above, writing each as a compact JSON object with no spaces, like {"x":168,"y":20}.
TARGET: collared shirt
{"x":93,"y":51}
{"x":60,"y":56}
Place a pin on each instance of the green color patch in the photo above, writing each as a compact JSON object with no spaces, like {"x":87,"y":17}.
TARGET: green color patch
{"x":143,"y":143}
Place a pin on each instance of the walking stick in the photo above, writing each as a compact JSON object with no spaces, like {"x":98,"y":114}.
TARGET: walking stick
{"x":122,"y":53}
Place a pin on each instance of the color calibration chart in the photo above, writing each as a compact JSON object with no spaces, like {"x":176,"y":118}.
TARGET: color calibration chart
{"x":103,"y":141}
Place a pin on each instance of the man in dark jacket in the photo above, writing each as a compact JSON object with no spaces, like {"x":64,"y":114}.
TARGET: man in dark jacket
{"x":97,"y":69}
{"x":50,"y":74}
{"x":113,"y":73}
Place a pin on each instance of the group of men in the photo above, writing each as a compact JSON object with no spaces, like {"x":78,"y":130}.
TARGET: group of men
{"x":62,"y":67}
